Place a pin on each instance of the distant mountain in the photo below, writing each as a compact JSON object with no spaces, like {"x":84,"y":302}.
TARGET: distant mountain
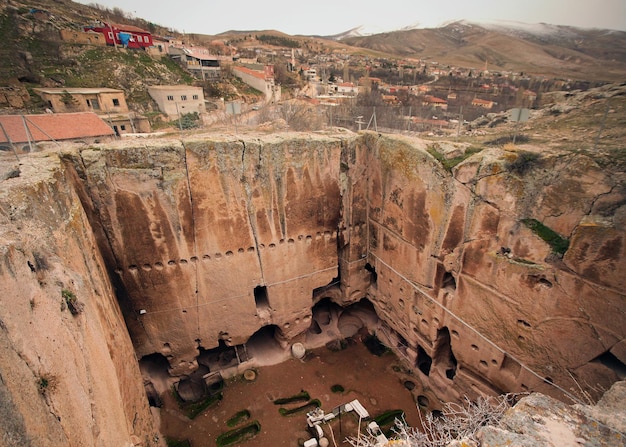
{"x":368,"y":30}
{"x":538,"y":48}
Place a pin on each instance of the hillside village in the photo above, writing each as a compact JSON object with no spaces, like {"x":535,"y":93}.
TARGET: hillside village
{"x":261,"y":77}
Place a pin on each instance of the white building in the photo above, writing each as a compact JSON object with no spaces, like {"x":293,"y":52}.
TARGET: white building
{"x":263,"y":81}
{"x":176,"y":100}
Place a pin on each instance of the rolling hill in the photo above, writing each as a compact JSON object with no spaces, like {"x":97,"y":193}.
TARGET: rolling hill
{"x":555,"y":51}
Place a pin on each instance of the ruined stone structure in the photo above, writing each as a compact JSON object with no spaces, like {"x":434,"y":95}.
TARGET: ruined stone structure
{"x":209,"y":241}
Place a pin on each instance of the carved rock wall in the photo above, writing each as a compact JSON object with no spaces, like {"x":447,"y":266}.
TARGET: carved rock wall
{"x":65,"y":379}
{"x":216,"y":238}
{"x":476,"y":300}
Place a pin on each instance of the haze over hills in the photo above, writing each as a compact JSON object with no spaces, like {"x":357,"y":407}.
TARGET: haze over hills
{"x":545,"y":49}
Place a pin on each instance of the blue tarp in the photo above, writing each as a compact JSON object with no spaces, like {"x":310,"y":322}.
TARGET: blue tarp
{"x":125,"y":38}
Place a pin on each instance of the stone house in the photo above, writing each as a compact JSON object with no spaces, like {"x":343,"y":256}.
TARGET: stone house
{"x":484,"y":103}
{"x":108,"y":102}
{"x":176,"y":100}
{"x":433,"y":101}
{"x":97,"y":100}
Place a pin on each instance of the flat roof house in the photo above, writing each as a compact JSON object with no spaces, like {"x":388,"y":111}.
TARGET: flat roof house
{"x":176,"y":100}
{"x":97,"y":100}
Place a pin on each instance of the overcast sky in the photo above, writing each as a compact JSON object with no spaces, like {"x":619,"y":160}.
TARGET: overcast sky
{"x":327,"y":17}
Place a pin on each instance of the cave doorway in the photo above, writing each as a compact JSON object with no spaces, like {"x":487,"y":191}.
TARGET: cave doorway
{"x":424,"y":361}
{"x":264,"y":346}
{"x":154,"y":370}
{"x":443,"y":357}
{"x":222,"y":357}
{"x":331,"y":322}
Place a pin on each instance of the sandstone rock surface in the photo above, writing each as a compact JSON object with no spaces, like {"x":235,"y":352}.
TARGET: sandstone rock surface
{"x":208,"y":242}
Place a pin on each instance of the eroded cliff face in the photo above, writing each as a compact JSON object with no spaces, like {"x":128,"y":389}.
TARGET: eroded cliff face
{"x":209,"y":241}
{"x":476,"y":300}
{"x":66,"y":378}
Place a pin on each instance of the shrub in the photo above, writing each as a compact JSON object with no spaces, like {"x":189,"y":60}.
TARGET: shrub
{"x":72,"y":303}
{"x":524,"y":162}
{"x":337,"y":388}
{"x":558,"y":243}
{"x":456,"y":422}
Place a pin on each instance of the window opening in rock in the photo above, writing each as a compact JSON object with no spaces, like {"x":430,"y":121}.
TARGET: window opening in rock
{"x":448,"y":281}
{"x":423,"y":401}
{"x":373,"y":274}
{"x":424,"y":361}
{"x":260,"y":298}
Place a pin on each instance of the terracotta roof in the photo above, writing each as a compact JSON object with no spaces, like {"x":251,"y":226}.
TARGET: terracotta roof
{"x":57,"y":126}
{"x":256,"y":74}
{"x":434,"y":100}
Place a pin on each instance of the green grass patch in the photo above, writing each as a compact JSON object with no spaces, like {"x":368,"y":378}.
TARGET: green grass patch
{"x":449,"y":163}
{"x":238,"y":418}
{"x":302,"y":396}
{"x":558,"y":243}
{"x":310,"y":405}
{"x":388,"y":417}
{"x":238,"y":435}
{"x":337,"y":388}
{"x":193,"y":409}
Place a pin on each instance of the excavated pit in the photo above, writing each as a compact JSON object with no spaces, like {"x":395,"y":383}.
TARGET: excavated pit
{"x":252,"y":246}
{"x":221,"y":254}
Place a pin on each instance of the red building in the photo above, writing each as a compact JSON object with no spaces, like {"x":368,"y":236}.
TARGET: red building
{"x":127,"y":36}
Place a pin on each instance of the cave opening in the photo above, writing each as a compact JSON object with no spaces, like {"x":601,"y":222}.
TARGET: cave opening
{"x":373,"y":275}
{"x":264,"y":345}
{"x":609,"y":360}
{"x":443,"y":357}
{"x":222,"y":357}
{"x":154,"y":369}
{"x":424,"y":361}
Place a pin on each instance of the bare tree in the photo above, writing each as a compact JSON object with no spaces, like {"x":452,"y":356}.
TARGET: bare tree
{"x":456,"y":422}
